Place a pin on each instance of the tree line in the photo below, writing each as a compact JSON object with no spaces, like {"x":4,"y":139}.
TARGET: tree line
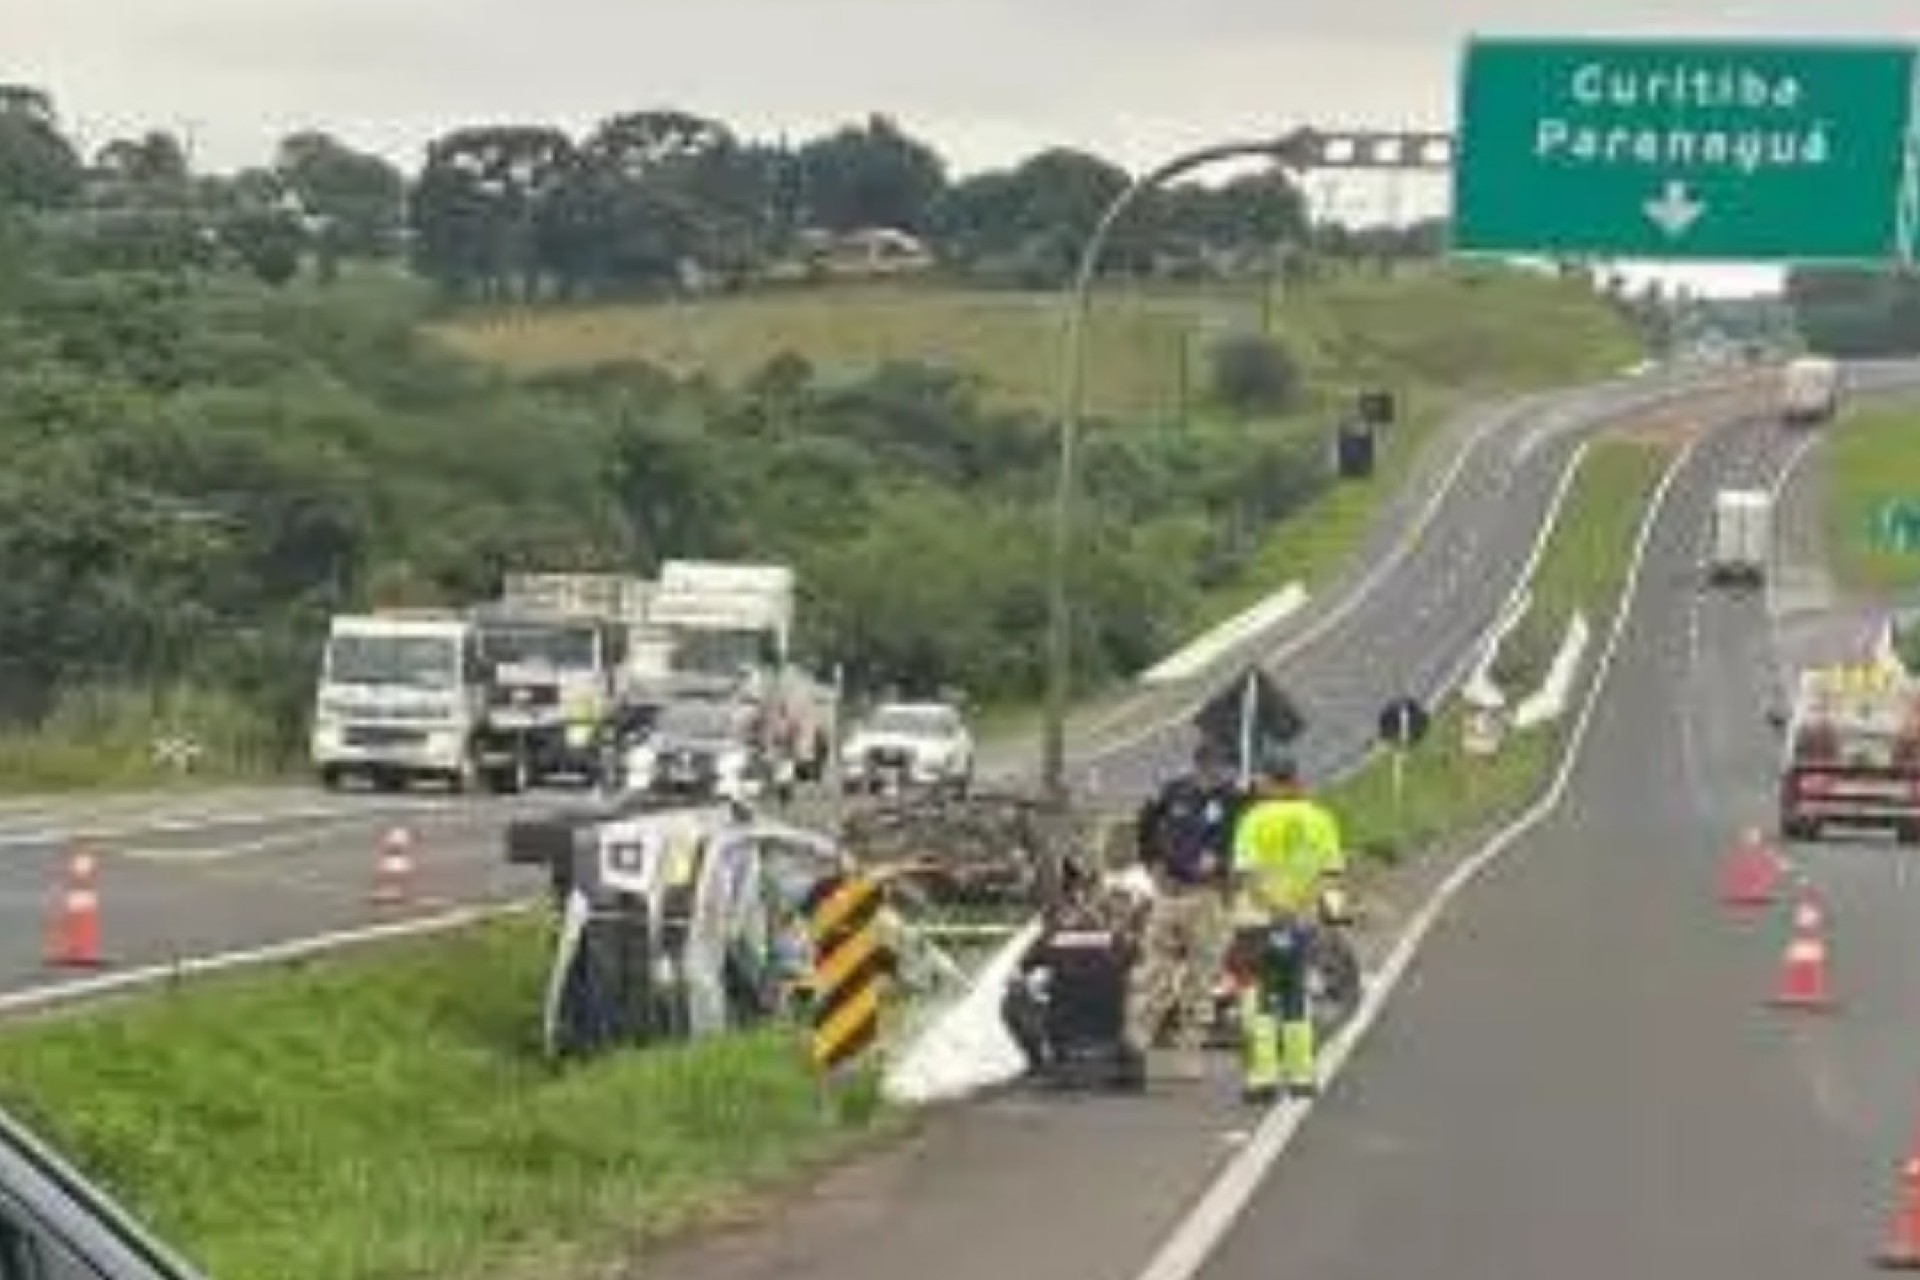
{"x":199,"y":472}
{"x":644,"y":202}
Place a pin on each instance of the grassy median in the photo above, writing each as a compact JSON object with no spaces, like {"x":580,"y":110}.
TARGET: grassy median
{"x":1870,"y":464}
{"x":1583,"y":568}
{"x":389,"y":1115}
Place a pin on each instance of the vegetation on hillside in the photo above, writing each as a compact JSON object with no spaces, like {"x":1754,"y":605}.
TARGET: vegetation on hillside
{"x":210,"y":449}
{"x":1857,"y":313}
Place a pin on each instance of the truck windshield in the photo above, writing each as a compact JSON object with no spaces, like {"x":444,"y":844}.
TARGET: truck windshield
{"x":567,"y":648}
{"x":719,"y":653}
{"x":417,"y":662}
{"x":696,"y":720}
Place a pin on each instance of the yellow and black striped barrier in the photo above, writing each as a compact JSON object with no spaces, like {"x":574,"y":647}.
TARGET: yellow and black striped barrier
{"x":849,"y":967}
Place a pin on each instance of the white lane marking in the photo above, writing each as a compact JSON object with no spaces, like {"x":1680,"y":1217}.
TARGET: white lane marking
{"x":238,"y":849}
{"x":1359,"y":593}
{"x":1542,"y":535}
{"x":211,"y":821}
{"x":1206,"y":1224}
{"x":50,"y":995}
{"x":1771,"y":585}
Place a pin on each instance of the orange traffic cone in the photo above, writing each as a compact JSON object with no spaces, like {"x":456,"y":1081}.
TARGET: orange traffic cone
{"x":73,"y":935}
{"x":393,"y":875}
{"x":1750,"y":875}
{"x":1901,"y":1251}
{"x":1803,"y":965}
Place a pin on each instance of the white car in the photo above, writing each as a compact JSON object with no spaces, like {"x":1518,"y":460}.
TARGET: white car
{"x":909,"y":743}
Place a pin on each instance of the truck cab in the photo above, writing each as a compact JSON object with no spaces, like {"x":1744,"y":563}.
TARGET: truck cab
{"x":1742,"y":537}
{"x":398,"y":700}
{"x":550,"y":687}
{"x":1852,"y":753}
{"x":730,"y":628}
{"x":1809,"y":390}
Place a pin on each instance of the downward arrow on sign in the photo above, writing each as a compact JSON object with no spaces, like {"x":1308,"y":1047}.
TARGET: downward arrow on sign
{"x":1674,"y":210}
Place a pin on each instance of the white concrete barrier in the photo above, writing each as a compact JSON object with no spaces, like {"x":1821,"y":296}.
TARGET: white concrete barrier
{"x":1193,"y":658}
{"x":1550,"y":700}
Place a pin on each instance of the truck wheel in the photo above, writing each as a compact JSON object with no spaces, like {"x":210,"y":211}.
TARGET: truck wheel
{"x":331,"y":777}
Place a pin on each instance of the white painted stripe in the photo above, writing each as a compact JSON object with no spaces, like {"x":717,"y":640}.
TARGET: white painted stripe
{"x":1770,"y":586}
{"x":307,"y":833}
{"x":1360,"y":592}
{"x":1200,"y":1232}
{"x":1635,"y":400}
{"x":51,"y":995}
{"x":214,"y":821}
{"x":1518,"y":596}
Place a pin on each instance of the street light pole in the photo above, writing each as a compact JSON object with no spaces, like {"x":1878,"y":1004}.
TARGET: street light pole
{"x":1072,"y":394}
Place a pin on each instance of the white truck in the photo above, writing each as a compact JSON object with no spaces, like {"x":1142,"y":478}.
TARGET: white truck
{"x":1742,"y":536}
{"x":1809,"y":390}
{"x":554,"y":649}
{"x":399,"y":699}
{"x":728,"y":629}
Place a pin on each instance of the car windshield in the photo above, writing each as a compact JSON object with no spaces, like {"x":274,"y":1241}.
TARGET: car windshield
{"x":696,"y":720}
{"x":417,"y":662}
{"x":914,"y":722}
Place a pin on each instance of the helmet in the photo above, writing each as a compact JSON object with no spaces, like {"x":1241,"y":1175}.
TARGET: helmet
{"x":1278,"y":766}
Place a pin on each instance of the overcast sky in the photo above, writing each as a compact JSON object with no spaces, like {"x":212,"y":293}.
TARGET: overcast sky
{"x":985,"y":80}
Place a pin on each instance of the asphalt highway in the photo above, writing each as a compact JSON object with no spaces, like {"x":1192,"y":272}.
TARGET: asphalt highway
{"x":1581,"y":1077}
{"x":193,"y":872}
{"x":1423,"y":624}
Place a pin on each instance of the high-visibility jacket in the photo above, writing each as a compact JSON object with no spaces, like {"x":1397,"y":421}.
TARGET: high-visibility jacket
{"x":1286,"y":847}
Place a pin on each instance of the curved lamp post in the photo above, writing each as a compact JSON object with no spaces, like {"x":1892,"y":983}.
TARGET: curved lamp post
{"x":1288,"y":150}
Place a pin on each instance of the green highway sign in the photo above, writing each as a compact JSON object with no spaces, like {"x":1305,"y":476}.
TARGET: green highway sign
{"x":1685,"y":150}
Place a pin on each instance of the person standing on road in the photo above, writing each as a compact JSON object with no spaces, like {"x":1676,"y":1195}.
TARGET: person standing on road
{"x":1185,"y":843}
{"x":1288,"y":860}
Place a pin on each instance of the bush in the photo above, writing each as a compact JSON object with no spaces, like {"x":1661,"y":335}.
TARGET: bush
{"x":1254,"y":374}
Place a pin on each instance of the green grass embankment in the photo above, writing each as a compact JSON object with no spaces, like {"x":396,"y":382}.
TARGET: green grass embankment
{"x":389,"y":1115}
{"x":111,"y":740}
{"x":1582,"y":568}
{"x":1869,"y":466}
{"x":1438,"y":338}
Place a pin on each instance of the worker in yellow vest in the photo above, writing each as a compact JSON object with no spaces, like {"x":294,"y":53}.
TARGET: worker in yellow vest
{"x":1288,"y":862}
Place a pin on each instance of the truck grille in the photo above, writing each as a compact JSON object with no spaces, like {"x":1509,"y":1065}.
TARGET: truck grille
{"x":525,"y":695}
{"x":383,"y":735}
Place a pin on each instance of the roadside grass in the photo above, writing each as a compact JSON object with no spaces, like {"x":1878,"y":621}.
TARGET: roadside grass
{"x":388,"y":1115}
{"x":1584,"y":567}
{"x":1466,"y":330}
{"x":1872,"y":459}
{"x":109,"y":739}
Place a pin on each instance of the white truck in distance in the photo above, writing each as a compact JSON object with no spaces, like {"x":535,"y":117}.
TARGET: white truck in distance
{"x":1809,"y":390}
{"x":729,"y":633}
{"x":1742,"y":536}
{"x":398,"y":700}
{"x":554,"y":648}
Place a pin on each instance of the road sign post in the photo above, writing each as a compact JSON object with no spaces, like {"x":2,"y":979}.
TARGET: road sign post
{"x":1403,"y":724}
{"x":1697,"y":150}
